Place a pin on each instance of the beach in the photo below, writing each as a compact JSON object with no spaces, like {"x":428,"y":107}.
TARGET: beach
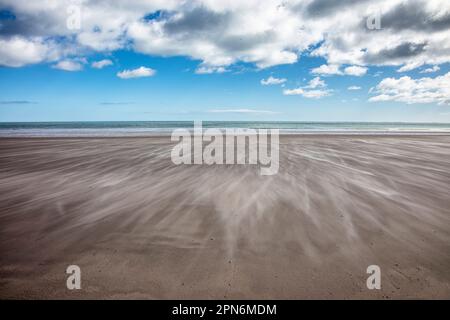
{"x":139,"y":226}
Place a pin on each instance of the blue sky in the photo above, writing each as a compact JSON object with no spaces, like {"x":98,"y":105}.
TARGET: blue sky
{"x":65,"y":86}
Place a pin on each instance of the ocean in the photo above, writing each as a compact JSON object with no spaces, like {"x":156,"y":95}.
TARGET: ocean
{"x":146,"y":128}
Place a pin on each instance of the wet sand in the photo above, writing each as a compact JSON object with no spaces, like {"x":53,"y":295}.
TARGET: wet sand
{"x":141,"y":227}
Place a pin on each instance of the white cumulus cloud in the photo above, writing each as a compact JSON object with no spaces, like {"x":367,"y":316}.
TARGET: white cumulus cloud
{"x":68,"y":65}
{"x":335,"y":70}
{"x":408,"y":90}
{"x":210,"y":69}
{"x":314,"y":89}
{"x":219,"y":34}
{"x":326,"y":69}
{"x":19,"y":51}
{"x":316,"y":83}
{"x":431,"y":70}
{"x":315,"y":94}
{"x":101,"y":64}
{"x":272,"y":81}
{"x":136,"y":73}
{"x":355,"y":71}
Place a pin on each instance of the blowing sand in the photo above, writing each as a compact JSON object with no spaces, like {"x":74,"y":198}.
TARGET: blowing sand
{"x":141,"y":227}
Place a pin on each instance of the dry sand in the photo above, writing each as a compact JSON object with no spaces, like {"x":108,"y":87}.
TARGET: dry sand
{"x":141,"y":227}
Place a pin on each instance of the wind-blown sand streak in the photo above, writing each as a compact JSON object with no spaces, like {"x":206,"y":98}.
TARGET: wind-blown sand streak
{"x":141,"y":227}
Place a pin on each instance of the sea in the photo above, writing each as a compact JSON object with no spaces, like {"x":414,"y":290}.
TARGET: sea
{"x":150,"y":128}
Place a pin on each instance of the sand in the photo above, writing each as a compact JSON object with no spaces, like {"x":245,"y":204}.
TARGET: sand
{"x":139,"y":226}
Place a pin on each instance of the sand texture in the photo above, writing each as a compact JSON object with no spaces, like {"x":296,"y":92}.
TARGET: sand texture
{"x":141,"y":227}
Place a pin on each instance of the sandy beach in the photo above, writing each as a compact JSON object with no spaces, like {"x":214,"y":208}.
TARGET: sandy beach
{"x":139,"y":226}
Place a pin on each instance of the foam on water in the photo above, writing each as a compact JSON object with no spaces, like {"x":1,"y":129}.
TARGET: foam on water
{"x":152,"y":128}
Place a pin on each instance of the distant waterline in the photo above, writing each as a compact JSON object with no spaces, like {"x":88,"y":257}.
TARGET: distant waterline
{"x":145,"y":128}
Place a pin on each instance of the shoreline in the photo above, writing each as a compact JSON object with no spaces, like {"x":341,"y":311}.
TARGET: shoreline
{"x":89,"y":135}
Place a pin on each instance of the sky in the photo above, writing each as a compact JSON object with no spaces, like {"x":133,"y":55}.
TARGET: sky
{"x":302,"y":60}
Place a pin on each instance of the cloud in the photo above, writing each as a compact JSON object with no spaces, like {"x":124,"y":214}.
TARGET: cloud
{"x":310,"y":90}
{"x":412,"y":33}
{"x":327,"y":70}
{"x":401,"y":51}
{"x":215,"y":33}
{"x":242,"y":111}
{"x":354,"y":88}
{"x":210,"y":69}
{"x":115,"y":103}
{"x":315,"y":94}
{"x":197,"y":19}
{"x":334,"y":70}
{"x":136,"y":73}
{"x":410,"y":66}
{"x":19,"y":51}
{"x":355,"y":71}
{"x":412,"y":15}
{"x":272,"y":81}
{"x":17,"y":102}
{"x":68,"y":65}
{"x":431,"y":70}
{"x":316,"y":83}
{"x":101,"y":64}
{"x":326,"y":7}
{"x":219,"y":34}
{"x":408,"y":90}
